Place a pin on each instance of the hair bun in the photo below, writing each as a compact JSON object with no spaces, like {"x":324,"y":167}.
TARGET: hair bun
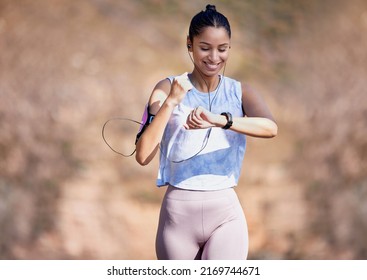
{"x":210,"y":8}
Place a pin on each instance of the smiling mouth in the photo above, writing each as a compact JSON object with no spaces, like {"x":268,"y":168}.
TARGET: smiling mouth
{"x":212,"y":66}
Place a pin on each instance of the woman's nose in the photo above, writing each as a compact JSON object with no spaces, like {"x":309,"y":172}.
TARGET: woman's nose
{"x":214,"y":56}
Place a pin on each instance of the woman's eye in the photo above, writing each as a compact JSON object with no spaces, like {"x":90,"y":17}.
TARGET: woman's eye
{"x":207,"y":49}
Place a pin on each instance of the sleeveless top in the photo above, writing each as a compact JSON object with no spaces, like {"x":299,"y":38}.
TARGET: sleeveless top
{"x":203,"y":159}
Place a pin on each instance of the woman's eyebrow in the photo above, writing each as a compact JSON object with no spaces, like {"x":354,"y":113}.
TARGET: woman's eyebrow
{"x":221,"y":45}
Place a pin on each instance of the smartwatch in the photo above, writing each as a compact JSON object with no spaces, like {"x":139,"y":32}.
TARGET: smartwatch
{"x":229,"y":120}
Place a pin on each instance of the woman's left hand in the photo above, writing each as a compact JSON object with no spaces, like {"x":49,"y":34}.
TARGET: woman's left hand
{"x":200,"y":118}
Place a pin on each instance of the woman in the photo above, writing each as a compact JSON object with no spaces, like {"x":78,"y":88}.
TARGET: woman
{"x":200,"y":125}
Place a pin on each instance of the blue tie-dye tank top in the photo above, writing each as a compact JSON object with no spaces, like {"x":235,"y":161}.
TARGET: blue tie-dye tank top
{"x":203,"y":159}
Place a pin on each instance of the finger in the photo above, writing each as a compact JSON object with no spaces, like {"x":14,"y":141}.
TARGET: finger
{"x":191,"y":123}
{"x":194,"y":120}
{"x":197,"y":113}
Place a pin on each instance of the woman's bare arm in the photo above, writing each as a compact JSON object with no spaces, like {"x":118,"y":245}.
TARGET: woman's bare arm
{"x":258,"y":120}
{"x":164,"y":98}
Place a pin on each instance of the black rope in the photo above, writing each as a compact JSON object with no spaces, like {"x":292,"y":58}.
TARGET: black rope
{"x":104,"y":139}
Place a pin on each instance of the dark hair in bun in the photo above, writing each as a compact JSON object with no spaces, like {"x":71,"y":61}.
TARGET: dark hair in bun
{"x":208,"y":18}
{"x":210,"y":7}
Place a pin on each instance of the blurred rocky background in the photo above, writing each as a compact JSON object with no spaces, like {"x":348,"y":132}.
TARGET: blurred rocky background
{"x":68,"y":66}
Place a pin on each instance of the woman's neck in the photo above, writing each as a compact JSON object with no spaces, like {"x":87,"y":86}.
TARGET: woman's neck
{"x":204,"y":83}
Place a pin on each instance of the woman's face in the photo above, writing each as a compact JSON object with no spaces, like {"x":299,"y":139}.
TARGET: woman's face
{"x":210,"y":50}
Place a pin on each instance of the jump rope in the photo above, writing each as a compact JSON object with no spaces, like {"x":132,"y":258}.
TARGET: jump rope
{"x":142,"y":124}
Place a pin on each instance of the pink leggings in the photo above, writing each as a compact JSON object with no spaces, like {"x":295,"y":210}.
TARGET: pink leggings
{"x":207,"y":225}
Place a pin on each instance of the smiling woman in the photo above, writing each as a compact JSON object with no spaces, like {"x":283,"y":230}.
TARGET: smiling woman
{"x":211,"y":51}
{"x":201,"y":132}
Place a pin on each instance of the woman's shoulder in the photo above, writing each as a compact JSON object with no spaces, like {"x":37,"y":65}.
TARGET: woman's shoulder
{"x":234,"y":83}
{"x":243,"y":86}
{"x":162,"y":87}
{"x":246,"y":88}
{"x":164,"y":83}
{"x":159,"y":94}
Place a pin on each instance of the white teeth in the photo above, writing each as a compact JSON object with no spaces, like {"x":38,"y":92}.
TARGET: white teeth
{"x":212,"y":66}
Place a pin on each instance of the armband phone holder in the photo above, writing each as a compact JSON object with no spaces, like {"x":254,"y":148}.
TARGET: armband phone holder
{"x":145,"y":122}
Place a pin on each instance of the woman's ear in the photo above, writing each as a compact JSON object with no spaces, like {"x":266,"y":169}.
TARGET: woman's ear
{"x":189,"y":44}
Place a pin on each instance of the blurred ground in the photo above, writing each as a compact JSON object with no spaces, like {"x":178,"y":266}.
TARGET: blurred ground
{"x":67,"y":66}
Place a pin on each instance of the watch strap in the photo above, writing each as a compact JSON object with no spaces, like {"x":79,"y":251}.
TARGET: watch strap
{"x":229,"y":120}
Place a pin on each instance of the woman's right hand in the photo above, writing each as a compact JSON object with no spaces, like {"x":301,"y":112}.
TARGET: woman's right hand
{"x":180,"y":86}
